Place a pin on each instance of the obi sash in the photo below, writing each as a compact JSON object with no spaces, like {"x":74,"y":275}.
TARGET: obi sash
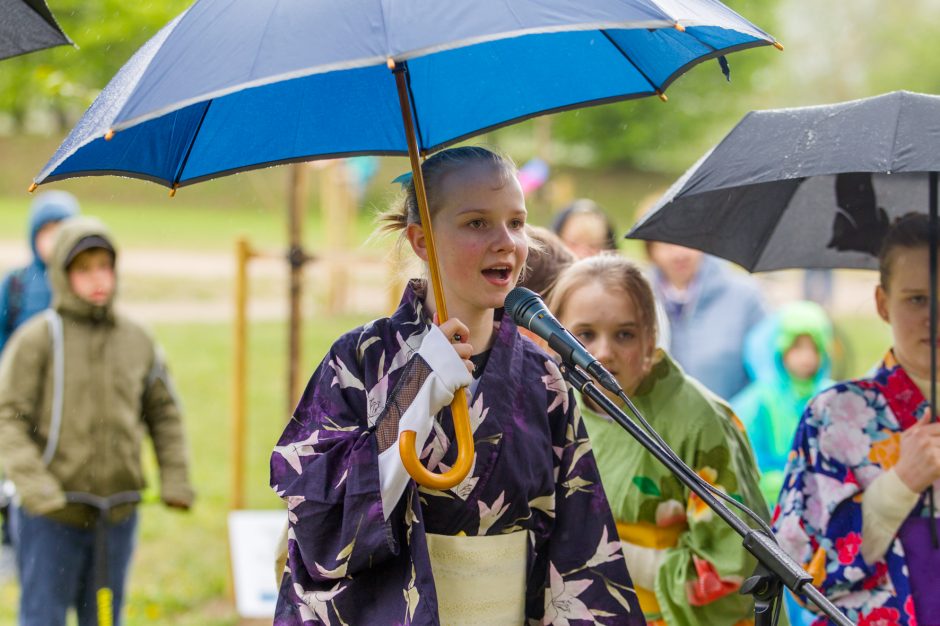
{"x":923,"y":567}
{"x":480,"y":581}
{"x":648,"y":535}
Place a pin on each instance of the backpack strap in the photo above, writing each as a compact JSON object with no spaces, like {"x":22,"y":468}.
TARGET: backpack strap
{"x":14,"y":300}
{"x":54,"y":320}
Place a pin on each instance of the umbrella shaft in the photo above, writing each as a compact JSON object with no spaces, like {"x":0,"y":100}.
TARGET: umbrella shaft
{"x":406,"y":116}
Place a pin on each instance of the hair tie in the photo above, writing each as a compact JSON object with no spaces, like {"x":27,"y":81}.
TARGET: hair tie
{"x":404,"y":180}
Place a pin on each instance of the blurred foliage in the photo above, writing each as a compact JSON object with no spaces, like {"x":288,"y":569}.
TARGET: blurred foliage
{"x":834,"y":51}
{"x":61,"y":82}
{"x":651,"y":134}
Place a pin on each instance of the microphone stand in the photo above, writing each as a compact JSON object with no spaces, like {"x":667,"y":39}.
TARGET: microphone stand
{"x":774,"y":566}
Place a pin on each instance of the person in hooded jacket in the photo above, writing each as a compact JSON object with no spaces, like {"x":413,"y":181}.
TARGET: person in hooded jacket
{"x":80,"y":385}
{"x":24,"y":292}
{"x":787,"y":355}
{"x":710,"y":309}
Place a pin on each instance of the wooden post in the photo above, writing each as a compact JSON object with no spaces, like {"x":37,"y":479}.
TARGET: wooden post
{"x":243,"y":254}
{"x":337,"y":207}
{"x":296,"y":257}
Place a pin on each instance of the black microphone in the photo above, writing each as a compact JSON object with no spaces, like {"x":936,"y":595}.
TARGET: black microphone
{"x":527,"y":310}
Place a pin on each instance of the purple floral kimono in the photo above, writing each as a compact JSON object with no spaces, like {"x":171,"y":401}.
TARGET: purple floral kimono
{"x":848,"y":436}
{"x":533,"y":471}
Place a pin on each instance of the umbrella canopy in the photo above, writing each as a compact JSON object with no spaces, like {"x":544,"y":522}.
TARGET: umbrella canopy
{"x":810,"y":187}
{"x":27,"y":26}
{"x":232,"y":85}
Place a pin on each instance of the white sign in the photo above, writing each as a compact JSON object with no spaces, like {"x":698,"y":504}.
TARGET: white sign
{"x":253,"y":541}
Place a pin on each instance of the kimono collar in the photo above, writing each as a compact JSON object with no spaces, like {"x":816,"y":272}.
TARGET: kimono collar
{"x":900,"y":392}
{"x":662,"y":377}
{"x":412,"y":300}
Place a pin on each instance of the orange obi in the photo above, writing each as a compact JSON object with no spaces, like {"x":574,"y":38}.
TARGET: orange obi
{"x":648,"y":535}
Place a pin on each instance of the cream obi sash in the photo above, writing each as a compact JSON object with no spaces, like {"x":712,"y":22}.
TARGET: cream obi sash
{"x":480,"y":581}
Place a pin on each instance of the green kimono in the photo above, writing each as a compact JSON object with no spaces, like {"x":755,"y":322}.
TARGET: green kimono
{"x":694,"y":561}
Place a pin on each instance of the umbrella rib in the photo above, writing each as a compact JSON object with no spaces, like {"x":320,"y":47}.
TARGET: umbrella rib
{"x":762,"y":245}
{"x":630,"y":61}
{"x":894,"y":139}
{"x":414,"y":110}
{"x":189,"y":149}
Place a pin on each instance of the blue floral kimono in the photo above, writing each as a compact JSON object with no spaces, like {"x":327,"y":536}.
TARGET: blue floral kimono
{"x":848,"y":436}
{"x":533,"y":472}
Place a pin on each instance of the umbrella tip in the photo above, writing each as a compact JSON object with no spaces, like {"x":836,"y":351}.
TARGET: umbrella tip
{"x":32,"y":188}
{"x":173,"y":190}
{"x":662,"y":96}
{"x":390,"y":62}
{"x":109,"y":135}
{"x":778,"y":46}
{"x":679,"y":27}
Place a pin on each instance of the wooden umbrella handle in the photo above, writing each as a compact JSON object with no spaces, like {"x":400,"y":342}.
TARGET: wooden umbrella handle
{"x":463,"y":441}
{"x":459,"y":410}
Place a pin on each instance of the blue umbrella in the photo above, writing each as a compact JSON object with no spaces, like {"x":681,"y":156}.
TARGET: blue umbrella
{"x":231,"y":85}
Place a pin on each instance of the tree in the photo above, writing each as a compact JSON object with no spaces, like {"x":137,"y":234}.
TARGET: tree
{"x":702,"y":105}
{"x":63,"y":81}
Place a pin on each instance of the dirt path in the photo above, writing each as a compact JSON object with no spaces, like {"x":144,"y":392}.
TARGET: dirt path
{"x":170,"y":285}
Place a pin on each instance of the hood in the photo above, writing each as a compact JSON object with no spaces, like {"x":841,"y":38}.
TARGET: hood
{"x":769,"y":340}
{"x":64,"y":299}
{"x":50,"y":206}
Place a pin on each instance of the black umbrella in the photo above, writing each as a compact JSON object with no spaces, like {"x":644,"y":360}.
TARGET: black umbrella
{"x":27,"y":26}
{"x":811,"y":187}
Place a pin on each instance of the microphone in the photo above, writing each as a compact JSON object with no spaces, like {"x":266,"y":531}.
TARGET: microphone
{"x":527,"y":310}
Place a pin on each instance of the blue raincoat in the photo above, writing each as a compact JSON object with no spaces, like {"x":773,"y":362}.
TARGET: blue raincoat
{"x":25,"y":291}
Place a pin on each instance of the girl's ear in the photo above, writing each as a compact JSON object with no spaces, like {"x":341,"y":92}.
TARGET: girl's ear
{"x":881,"y":303}
{"x":415,"y":235}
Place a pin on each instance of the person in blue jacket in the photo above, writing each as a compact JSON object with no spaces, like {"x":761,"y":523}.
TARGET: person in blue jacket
{"x":24,"y":292}
{"x":710,"y":310}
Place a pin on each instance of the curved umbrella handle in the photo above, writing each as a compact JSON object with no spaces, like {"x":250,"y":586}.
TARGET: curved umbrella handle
{"x":458,"y":408}
{"x":463,"y":441}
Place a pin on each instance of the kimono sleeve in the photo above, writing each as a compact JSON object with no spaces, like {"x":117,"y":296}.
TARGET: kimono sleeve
{"x":587,"y":576}
{"x":819,"y":509}
{"x":700,"y":576}
{"x":325,"y":466}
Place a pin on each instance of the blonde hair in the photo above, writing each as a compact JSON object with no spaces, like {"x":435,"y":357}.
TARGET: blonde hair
{"x":548,"y":256}
{"x":404,"y":210}
{"x":613,"y":272}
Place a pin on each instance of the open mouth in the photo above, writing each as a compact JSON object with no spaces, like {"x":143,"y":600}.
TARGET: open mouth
{"x":498,"y":273}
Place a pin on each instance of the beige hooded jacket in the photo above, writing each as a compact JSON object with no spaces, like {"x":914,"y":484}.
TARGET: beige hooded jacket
{"x":115,"y":389}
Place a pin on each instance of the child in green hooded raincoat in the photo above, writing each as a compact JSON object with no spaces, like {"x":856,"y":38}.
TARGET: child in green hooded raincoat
{"x":787,"y":356}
